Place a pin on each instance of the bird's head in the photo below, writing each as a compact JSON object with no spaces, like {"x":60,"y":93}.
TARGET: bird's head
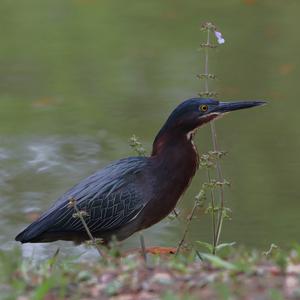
{"x":195,"y":112}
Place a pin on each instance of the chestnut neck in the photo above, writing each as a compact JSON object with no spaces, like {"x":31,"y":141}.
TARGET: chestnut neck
{"x":176,"y":147}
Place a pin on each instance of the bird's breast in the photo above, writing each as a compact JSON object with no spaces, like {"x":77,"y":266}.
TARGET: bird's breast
{"x":171,"y":174}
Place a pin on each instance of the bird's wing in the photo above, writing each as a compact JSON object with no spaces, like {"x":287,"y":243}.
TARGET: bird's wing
{"x":110,"y":197}
{"x":102,"y":211}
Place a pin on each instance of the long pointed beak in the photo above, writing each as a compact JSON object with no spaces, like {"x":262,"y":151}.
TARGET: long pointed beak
{"x":225,"y":107}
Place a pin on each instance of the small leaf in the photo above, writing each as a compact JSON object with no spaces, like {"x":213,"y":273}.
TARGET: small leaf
{"x":219,"y":262}
{"x":225,"y":245}
{"x":205,"y":245}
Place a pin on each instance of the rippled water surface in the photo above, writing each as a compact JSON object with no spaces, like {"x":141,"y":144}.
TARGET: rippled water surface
{"x":78,"y":78}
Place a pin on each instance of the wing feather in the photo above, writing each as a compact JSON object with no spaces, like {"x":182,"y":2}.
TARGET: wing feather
{"x":111,"y":197}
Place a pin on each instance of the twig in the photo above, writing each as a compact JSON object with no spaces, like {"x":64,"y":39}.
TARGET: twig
{"x":187,"y":227}
{"x":53,"y":259}
{"x":137,"y":146}
{"x":213,"y":214}
{"x":206,"y":63}
{"x":79,"y":214}
{"x":143,"y":247}
{"x":176,"y":214}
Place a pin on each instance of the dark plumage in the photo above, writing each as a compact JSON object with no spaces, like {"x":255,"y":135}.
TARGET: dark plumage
{"x":136,"y":192}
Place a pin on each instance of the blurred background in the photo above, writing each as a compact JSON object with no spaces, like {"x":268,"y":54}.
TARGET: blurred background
{"x":78,"y":78}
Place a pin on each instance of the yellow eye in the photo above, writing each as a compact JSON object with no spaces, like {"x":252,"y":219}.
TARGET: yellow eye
{"x":203,"y":107}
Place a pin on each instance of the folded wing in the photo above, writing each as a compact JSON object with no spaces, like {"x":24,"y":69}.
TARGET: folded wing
{"x":111,"y":197}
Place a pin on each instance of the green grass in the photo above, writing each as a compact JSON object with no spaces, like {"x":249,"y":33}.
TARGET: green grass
{"x":234,"y":274}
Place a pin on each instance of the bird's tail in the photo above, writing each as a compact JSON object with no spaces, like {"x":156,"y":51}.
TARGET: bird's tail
{"x":30,"y":233}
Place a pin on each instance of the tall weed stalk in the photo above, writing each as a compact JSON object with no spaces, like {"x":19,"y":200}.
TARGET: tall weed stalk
{"x":213,"y":189}
{"x":217,"y":208}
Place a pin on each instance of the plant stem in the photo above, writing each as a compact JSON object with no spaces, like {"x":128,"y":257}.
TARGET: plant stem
{"x":217,"y":231}
{"x":143,"y":247}
{"x":190,"y":218}
{"x":206,"y":63}
{"x":220,"y":178}
{"x":78,"y":212}
{"x":137,"y":146}
{"x":213,"y":216}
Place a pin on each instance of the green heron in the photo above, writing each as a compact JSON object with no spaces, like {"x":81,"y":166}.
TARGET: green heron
{"x":133,"y":193}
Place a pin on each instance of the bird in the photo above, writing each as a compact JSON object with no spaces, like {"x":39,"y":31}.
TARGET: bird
{"x":134,"y":193}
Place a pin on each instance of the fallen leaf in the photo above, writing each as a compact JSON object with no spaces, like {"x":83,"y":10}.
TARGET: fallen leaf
{"x":154,"y":250}
{"x":161,"y":250}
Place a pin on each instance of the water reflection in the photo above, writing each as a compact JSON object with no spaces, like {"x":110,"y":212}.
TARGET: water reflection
{"x":37,"y":170}
{"x":43,"y":157}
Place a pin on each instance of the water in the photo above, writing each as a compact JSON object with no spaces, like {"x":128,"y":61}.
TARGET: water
{"x":77,"y":79}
